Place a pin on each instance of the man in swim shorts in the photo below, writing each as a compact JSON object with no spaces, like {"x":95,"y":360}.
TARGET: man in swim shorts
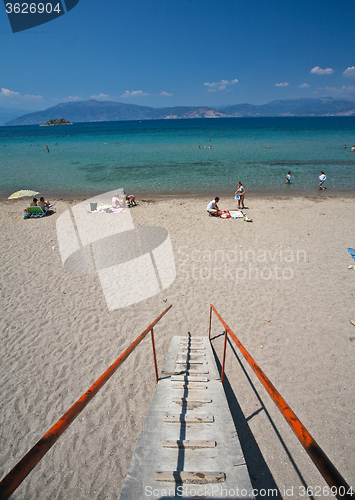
{"x":43,"y":204}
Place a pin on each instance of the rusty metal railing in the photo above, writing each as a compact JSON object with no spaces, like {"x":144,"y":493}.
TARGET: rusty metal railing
{"x":335,"y":480}
{"x":15,"y":477}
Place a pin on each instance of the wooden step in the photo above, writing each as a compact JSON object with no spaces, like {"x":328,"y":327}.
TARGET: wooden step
{"x":189,"y":444}
{"x":186,"y":378}
{"x":208,"y":419}
{"x":190,"y":387}
{"x":184,"y":348}
{"x":191,"y":400}
{"x":191,"y":344}
{"x":192,"y":338}
{"x":192,"y":354}
{"x":191,"y":362}
{"x":194,"y":372}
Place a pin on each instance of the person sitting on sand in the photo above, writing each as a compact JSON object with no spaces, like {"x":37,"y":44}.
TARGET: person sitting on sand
{"x":239,"y":195}
{"x":44,"y":204}
{"x":322,"y":178}
{"x":115,"y":201}
{"x":212,"y":207}
{"x":34,"y":203}
{"x":131,"y":200}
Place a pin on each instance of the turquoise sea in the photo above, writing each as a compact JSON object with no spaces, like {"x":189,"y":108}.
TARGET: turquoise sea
{"x":162,"y":157}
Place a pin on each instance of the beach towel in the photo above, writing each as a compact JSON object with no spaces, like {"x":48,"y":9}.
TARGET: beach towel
{"x":236,"y":214}
{"x":352,"y":252}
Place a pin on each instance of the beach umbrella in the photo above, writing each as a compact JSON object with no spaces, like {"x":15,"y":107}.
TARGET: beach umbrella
{"x":22,"y":194}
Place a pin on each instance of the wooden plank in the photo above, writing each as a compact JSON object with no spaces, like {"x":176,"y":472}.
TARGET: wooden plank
{"x":190,"y":387}
{"x":189,"y":477}
{"x":191,"y":342}
{"x":192,"y":362}
{"x":192,"y":400}
{"x":208,"y":419}
{"x":186,"y":378}
{"x":192,"y":354}
{"x":195,"y":372}
{"x":189,"y":444}
{"x":192,"y":338}
{"x":192,"y":348}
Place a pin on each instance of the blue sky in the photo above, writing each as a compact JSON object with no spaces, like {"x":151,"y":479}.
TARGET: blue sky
{"x":181,"y":52}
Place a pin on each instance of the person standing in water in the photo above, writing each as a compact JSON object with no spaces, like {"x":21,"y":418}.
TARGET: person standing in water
{"x":288,"y":178}
{"x":322,"y":178}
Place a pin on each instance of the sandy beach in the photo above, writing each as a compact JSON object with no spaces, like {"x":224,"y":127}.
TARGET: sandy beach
{"x":290,"y":265}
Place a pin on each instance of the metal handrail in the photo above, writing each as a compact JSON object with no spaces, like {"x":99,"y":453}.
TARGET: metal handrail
{"x":15,"y":477}
{"x":324,"y":465}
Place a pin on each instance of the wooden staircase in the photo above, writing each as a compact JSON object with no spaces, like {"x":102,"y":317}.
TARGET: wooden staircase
{"x":189,"y":447}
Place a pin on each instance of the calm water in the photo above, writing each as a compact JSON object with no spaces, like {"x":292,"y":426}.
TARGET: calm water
{"x":162,"y":157}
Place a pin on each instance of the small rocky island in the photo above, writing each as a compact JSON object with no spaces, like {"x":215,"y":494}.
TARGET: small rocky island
{"x":57,"y":121}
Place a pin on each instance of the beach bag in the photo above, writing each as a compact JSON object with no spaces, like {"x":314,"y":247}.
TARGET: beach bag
{"x":237,"y":197}
{"x":26,"y":214}
{"x":224,"y":215}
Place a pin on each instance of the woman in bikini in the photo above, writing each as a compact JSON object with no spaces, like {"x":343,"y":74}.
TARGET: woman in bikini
{"x":239,"y":195}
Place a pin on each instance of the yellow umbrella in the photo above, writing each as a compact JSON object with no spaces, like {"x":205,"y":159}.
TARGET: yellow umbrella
{"x":22,"y":194}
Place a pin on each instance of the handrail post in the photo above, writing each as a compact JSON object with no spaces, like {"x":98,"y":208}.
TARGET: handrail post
{"x":209,"y":331}
{"x":224,"y":353}
{"x":155,"y":358}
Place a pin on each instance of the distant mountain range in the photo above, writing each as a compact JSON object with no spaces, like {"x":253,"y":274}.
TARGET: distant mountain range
{"x":98,"y":111}
{"x":7,"y":114}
